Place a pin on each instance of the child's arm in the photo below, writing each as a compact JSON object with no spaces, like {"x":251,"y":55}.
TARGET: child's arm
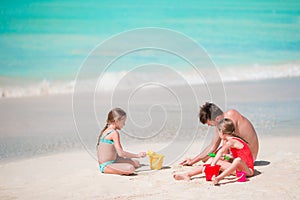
{"x":224,"y":149}
{"x":119,"y":148}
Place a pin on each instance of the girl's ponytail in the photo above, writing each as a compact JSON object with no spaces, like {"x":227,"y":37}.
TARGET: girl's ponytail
{"x":105,"y":127}
{"x":115,"y":113}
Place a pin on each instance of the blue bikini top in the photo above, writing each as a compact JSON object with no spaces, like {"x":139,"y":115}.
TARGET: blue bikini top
{"x":102,"y":139}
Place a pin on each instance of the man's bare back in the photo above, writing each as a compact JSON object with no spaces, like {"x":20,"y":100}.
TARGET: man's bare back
{"x":244,"y":129}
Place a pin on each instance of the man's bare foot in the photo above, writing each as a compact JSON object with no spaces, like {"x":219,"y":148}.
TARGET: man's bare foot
{"x":181,"y":177}
{"x":215,"y":180}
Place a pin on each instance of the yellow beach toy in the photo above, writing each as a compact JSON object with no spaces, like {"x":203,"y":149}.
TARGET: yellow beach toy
{"x":156,"y":160}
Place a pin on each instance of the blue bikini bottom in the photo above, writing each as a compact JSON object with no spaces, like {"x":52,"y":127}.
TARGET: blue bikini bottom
{"x":103,"y":165}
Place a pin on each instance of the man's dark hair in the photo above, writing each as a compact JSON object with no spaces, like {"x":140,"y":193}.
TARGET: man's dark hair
{"x":209,"y":111}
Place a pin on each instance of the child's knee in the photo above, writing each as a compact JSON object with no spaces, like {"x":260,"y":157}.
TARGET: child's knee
{"x":130,"y":169}
{"x":237,"y":160}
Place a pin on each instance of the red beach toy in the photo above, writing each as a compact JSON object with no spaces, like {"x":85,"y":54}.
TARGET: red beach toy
{"x":210,"y":171}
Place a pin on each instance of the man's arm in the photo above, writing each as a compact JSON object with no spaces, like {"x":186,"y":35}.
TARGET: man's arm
{"x":212,"y":147}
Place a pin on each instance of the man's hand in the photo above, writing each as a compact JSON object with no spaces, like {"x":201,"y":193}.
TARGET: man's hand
{"x":187,"y":162}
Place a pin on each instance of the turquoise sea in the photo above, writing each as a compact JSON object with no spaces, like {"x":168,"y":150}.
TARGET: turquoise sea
{"x":44,"y":43}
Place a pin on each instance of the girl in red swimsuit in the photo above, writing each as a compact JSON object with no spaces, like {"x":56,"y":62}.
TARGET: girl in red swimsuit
{"x":242,"y":156}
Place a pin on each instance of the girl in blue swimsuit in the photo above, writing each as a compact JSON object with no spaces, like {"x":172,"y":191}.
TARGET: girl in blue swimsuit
{"x":111,"y":156}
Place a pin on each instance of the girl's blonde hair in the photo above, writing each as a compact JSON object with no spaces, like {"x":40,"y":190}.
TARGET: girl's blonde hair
{"x":113,"y":115}
{"x":227,"y":127}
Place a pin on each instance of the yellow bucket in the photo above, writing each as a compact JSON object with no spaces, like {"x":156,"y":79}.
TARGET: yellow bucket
{"x":156,"y":160}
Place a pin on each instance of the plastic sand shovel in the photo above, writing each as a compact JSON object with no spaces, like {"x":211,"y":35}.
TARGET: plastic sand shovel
{"x":214,"y":155}
{"x":156,"y":160}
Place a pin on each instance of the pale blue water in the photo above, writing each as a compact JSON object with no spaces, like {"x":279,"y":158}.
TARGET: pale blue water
{"x":50,"y":39}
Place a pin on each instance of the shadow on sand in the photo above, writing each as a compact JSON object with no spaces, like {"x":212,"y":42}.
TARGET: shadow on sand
{"x":261,"y":163}
{"x":145,"y":168}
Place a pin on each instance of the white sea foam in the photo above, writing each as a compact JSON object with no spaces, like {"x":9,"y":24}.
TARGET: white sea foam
{"x":260,"y":72}
{"x":39,"y":89}
{"x":249,"y":73}
{"x":123,"y":80}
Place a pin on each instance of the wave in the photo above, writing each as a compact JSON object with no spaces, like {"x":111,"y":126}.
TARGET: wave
{"x":120,"y":80}
{"x":36,"y":89}
{"x":261,"y":72}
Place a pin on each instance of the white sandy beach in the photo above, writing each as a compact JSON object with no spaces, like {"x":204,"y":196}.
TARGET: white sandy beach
{"x":68,"y":171}
{"x":75,"y":175}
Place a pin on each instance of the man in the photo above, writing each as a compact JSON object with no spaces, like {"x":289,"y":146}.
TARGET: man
{"x":211,"y":114}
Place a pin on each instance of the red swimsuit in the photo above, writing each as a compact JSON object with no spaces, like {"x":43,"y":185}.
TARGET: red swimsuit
{"x":243,"y":153}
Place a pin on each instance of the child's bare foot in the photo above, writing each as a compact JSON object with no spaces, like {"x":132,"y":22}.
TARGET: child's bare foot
{"x":181,"y":177}
{"x":215,"y":180}
{"x":136,"y":163}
